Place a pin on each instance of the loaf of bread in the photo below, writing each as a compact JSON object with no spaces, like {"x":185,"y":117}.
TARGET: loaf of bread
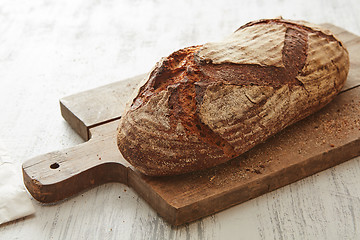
{"x":204,"y":105}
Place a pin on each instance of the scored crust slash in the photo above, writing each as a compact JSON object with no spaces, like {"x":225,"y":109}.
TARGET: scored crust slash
{"x":204,"y":105}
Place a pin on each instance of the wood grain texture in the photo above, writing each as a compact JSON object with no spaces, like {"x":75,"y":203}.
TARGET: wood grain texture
{"x":68,"y":172}
{"x":95,"y":113}
{"x":53,"y":49}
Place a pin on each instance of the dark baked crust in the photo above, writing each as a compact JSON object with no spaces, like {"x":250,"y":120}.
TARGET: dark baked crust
{"x":172,"y":127}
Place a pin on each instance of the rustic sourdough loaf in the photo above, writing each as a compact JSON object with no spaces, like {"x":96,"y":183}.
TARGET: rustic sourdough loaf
{"x":203,"y":105}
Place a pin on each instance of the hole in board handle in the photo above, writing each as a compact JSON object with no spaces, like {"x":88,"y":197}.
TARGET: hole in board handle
{"x":54,"y":166}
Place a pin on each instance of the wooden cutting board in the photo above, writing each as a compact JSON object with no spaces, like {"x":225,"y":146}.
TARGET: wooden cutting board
{"x":321,"y":141}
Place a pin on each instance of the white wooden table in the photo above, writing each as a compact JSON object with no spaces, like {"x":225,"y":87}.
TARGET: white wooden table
{"x":50,"y":49}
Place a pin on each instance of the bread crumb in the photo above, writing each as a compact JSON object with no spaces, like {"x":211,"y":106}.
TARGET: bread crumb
{"x":257,"y":171}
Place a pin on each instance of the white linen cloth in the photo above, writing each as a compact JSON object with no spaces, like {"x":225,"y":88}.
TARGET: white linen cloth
{"x":14,"y":200}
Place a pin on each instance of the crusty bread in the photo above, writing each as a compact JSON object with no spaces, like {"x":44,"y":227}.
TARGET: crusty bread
{"x":203,"y":105}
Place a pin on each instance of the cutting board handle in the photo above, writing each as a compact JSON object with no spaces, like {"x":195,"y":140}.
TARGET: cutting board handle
{"x":58,"y":175}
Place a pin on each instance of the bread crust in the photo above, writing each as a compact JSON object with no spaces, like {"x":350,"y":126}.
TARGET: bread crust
{"x":203,"y":105}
